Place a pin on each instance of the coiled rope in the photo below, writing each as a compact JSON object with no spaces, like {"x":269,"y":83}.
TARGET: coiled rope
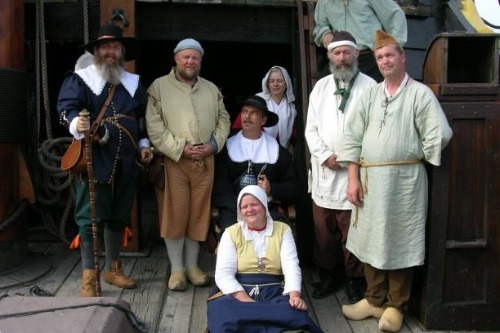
{"x":55,"y":192}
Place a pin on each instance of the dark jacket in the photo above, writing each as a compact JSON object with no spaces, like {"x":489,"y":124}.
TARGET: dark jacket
{"x":75,"y":95}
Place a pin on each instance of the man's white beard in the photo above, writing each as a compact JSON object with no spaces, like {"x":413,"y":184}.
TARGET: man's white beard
{"x":344,"y":73}
{"x":110,"y":73}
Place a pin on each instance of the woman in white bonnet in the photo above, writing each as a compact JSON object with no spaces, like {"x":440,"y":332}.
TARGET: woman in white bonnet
{"x":277,"y":90}
{"x":257,"y":274}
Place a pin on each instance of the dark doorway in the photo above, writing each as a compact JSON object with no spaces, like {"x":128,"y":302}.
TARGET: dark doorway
{"x":241,"y":43}
{"x":237,"y":68}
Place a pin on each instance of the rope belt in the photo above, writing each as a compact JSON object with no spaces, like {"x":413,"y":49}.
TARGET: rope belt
{"x":364,"y":183}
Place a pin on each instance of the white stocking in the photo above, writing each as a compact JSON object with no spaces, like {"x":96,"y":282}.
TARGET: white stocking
{"x":175,"y":251}
{"x":192,"y":251}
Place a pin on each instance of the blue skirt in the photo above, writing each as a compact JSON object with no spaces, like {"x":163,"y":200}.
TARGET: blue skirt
{"x":271,"y":313}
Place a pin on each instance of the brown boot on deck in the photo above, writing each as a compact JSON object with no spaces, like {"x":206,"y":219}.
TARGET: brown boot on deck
{"x":89,"y":277}
{"x":115,"y":276}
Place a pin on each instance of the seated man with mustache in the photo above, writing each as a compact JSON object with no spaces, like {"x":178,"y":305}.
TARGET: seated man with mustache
{"x":253,"y":157}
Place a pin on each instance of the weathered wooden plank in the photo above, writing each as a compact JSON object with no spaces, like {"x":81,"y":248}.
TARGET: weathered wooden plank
{"x":199,"y":310}
{"x":147,"y":299}
{"x":61,"y":261}
{"x":328,"y":312}
{"x":64,"y":261}
{"x":415,"y":326}
{"x":176,"y":314}
{"x":306,"y":294}
{"x":186,"y":311}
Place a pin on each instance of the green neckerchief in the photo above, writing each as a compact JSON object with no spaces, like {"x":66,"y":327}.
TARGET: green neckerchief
{"x":345,"y":93}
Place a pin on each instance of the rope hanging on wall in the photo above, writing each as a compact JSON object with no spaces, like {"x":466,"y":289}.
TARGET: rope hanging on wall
{"x":55,"y":192}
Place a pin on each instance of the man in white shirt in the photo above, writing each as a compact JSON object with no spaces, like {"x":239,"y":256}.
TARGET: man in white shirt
{"x":332,"y":100}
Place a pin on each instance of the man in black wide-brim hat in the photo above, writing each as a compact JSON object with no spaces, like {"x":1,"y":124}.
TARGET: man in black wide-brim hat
{"x":114,"y":150}
{"x":253,"y":157}
{"x":111,"y":32}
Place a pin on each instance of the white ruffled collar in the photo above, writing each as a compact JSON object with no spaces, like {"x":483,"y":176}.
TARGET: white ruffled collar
{"x":96,"y":83}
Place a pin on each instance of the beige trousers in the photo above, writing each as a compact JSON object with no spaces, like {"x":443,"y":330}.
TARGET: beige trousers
{"x":184,"y":206}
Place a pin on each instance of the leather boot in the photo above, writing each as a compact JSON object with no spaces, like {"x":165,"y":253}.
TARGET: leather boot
{"x":89,"y":277}
{"x":115,"y":276}
{"x":355,"y":289}
{"x":326,"y":285}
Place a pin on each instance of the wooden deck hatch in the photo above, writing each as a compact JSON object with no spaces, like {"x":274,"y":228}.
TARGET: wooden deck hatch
{"x":463,"y":65}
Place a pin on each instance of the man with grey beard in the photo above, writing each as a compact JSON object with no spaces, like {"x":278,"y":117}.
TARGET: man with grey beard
{"x":331,"y":101}
{"x":115,"y":147}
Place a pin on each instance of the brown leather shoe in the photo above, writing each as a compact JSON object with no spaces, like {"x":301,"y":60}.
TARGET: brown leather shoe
{"x":115,"y":276}
{"x":89,"y":277}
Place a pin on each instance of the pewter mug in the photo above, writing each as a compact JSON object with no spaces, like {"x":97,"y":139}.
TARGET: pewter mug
{"x":248,"y":179}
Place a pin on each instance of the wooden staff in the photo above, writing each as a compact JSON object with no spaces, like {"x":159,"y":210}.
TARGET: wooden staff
{"x":90,"y":174}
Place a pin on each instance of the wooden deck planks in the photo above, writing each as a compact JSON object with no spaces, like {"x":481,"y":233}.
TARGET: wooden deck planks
{"x":368,"y":325}
{"x":165,"y":311}
{"x":176,"y":316}
{"x":327,"y":311}
{"x":199,"y":311}
{"x":64,"y":262}
{"x":148,"y":298}
{"x":186,"y":311}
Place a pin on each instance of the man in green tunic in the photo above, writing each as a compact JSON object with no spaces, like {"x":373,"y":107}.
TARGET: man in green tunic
{"x":361,"y":18}
{"x":399,"y":124}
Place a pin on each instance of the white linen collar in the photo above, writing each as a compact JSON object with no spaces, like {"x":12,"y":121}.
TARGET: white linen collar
{"x":263,"y":150}
{"x":402,"y":85}
{"x":96,"y":83}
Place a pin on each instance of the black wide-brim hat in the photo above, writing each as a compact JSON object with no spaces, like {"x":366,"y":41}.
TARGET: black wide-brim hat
{"x":111,"y":32}
{"x":260,"y":103}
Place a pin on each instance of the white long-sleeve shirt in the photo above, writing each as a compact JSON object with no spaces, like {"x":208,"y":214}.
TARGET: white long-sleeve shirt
{"x":227,"y":259}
